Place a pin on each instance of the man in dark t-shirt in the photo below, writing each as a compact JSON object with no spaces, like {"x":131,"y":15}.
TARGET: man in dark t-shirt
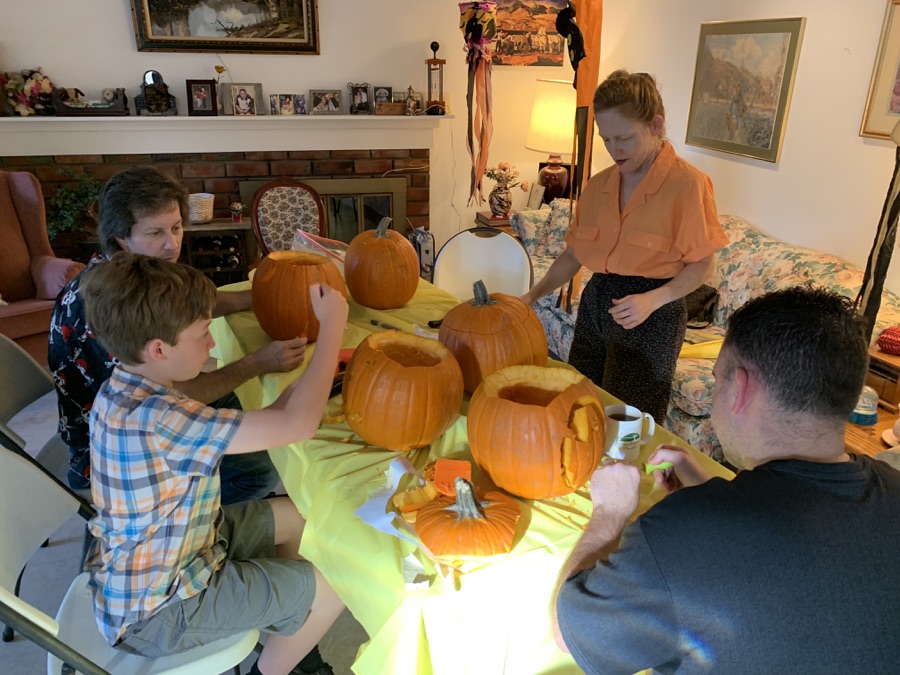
{"x":793,"y":566}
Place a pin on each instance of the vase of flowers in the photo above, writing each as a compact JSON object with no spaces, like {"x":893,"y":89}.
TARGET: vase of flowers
{"x":27,"y":92}
{"x":505,"y":177}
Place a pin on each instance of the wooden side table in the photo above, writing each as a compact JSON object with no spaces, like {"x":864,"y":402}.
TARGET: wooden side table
{"x":867,"y":440}
{"x":486,"y":219}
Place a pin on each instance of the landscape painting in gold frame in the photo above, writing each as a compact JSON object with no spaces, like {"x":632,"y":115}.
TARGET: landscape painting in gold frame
{"x":742,"y":85}
{"x":883,"y":102}
{"x":285,"y":27}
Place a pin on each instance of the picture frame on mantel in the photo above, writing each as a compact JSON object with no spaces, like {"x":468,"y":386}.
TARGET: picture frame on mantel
{"x":883,"y":101}
{"x":161,"y":27}
{"x":201,"y":97}
{"x":743,"y":82}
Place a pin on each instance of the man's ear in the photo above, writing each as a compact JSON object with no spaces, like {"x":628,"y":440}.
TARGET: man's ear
{"x":746,"y":388}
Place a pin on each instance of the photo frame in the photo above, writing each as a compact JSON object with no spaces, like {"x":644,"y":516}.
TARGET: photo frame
{"x":324,"y":102}
{"x":535,"y":196}
{"x":883,"y":100}
{"x":201,"y":97}
{"x":360,"y":101}
{"x":287,"y":104}
{"x":740,"y":96}
{"x":382,"y":93}
{"x":160,"y":27}
{"x":243,"y":99}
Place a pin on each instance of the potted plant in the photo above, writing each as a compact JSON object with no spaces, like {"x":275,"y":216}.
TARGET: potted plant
{"x":71,"y":211}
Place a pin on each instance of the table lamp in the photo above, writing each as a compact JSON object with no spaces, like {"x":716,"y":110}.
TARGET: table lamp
{"x":552,"y":130}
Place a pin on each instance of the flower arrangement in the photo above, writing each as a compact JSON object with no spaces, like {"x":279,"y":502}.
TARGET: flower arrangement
{"x":506,"y":175}
{"x":28,"y":92}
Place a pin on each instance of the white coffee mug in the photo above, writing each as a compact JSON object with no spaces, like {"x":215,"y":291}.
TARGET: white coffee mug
{"x":624,"y":424}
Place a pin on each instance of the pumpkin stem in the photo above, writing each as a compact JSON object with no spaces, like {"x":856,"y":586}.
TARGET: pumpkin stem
{"x":381,"y":230}
{"x":481,"y":299}
{"x":466,"y":507}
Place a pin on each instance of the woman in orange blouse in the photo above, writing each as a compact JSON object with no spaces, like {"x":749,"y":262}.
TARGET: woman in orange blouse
{"x":647,"y":228}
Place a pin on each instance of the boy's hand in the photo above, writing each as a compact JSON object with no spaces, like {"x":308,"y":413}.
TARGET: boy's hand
{"x":329,"y":305}
{"x":282,"y":355}
{"x":685,"y":471}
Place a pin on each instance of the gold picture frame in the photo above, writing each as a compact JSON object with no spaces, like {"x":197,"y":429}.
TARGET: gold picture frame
{"x":162,"y":26}
{"x":743,"y":82}
{"x":882,"y":104}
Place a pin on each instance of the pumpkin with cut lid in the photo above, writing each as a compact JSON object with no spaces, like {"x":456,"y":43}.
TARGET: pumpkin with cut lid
{"x":401,"y":391}
{"x":537,"y":432}
{"x":280,"y":292}
{"x":490,"y":332}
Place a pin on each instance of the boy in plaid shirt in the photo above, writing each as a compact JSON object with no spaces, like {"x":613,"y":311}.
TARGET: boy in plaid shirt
{"x":170,"y":568}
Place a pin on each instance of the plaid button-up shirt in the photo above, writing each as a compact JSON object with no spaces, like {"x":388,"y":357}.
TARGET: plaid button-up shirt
{"x":155,"y":455}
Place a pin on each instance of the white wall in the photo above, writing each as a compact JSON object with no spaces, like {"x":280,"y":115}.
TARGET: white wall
{"x":825,"y":192}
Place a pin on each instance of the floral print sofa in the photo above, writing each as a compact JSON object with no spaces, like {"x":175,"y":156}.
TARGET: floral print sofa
{"x":752,"y":264}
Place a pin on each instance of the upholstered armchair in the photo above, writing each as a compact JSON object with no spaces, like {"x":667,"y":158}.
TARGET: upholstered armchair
{"x":31,"y":276}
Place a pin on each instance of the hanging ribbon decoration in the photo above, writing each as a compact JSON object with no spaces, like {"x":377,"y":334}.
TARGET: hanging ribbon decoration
{"x":478,"y":23}
{"x":868,"y":301}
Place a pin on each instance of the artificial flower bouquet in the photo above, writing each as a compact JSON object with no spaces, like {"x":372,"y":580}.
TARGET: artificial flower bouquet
{"x":28,"y":92}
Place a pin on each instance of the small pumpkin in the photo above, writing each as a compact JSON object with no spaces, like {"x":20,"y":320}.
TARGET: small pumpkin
{"x":280,"y":292}
{"x":401,"y":391}
{"x":537,"y":432}
{"x":382,"y":268}
{"x":466,"y":526}
{"x":490,"y":332}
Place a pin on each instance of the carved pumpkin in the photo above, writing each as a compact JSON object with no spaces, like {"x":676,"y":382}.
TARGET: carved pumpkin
{"x":537,"y":432}
{"x":490,"y":332}
{"x":382,"y":268}
{"x":281,"y":292}
{"x":466,"y":526}
{"x":401,"y":391}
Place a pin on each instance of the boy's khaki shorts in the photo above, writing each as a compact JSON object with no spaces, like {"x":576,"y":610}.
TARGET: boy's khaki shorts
{"x":253,"y":589}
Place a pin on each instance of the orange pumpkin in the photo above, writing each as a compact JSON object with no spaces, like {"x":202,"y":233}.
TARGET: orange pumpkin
{"x":537,"y":432}
{"x":281,"y":292}
{"x":382,"y":268}
{"x":401,"y":391}
{"x":467,"y":526}
{"x":490,"y":332}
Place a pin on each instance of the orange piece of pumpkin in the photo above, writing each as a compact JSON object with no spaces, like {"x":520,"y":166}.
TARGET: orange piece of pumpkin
{"x":413,"y":500}
{"x":446,"y":471}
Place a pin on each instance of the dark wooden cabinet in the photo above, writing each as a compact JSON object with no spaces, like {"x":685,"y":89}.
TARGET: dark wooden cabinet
{"x":223,"y":250}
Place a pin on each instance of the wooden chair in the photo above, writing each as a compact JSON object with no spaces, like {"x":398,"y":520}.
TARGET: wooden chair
{"x":280,"y":208}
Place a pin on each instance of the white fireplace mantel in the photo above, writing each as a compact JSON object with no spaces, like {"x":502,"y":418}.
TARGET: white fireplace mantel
{"x":133,"y":135}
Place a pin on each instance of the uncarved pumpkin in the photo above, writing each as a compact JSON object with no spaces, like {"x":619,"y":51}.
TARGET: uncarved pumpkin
{"x":281,"y":292}
{"x":401,"y":391}
{"x":537,"y":432}
{"x":490,"y":332}
{"x":468,"y":526}
{"x":382,"y":268}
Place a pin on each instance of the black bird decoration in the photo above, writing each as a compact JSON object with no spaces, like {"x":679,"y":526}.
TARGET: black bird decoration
{"x":566,"y":26}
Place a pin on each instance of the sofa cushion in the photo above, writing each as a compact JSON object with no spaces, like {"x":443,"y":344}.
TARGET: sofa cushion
{"x":552,"y":243}
{"x":50,"y":274}
{"x":530,"y":226}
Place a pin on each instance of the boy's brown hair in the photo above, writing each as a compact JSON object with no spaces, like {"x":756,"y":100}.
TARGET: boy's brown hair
{"x":131,"y":299}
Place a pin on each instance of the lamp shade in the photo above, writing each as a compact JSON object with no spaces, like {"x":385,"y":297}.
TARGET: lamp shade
{"x":552,"y":125}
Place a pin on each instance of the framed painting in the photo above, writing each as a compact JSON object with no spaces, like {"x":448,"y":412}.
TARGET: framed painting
{"x":743,"y":81}
{"x":526,"y":33}
{"x":883,"y":102}
{"x":244,"y":99}
{"x":285,"y":27}
{"x":324,"y":102}
{"x":201,"y":96}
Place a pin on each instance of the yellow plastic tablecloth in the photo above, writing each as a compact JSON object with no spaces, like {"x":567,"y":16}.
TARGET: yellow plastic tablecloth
{"x":492,"y":620}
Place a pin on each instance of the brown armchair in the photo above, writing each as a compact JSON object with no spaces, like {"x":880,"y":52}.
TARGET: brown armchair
{"x":31,"y":276}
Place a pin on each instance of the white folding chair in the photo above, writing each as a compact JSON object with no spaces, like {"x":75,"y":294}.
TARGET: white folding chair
{"x":486,"y":253}
{"x":72,"y":640}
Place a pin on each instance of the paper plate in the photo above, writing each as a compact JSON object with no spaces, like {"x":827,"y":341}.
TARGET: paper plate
{"x":888,"y":437}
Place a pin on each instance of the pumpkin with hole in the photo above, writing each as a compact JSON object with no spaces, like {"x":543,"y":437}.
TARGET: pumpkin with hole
{"x":490,"y":332}
{"x":537,"y":432}
{"x":280,"y":292}
{"x":468,"y":526}
{"x":382,"y":268}
{"x":401,"y":391}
